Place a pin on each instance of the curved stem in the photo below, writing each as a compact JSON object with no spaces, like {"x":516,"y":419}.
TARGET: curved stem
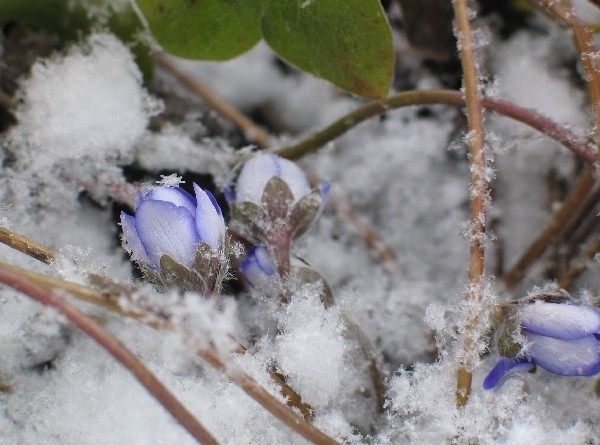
{"x":586,"y":45}
{"x":438,"y":97}
{"x":115,"y":348}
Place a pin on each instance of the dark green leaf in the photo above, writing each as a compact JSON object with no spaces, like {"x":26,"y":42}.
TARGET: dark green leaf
{"x":204,"y":29}
{"x":347,"y":42}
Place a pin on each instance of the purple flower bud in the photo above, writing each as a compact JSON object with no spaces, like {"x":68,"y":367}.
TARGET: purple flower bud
{"x":258,"y":269}
{"x":169,"y":221}
{"x":561,"y":338}
{"x":260,"y":169}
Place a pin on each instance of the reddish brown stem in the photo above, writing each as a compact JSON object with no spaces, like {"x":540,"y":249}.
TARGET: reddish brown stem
{"x":431,"y":97}
{"x":115,"y":348}
{"x":584,"y":40}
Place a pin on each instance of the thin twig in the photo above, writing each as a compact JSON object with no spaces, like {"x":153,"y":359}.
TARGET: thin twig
{"x":252,"y":131}
{"x":584,"y":40}
{"x":115,"y":348}
{"x":111,"y":302}
{"x":579,"y":265}
{"x":479,"y":196}
{"x":537,"y":248}
{"x":526,"y":116}
{"x":270,"y":403}
{"x":26,"y":246}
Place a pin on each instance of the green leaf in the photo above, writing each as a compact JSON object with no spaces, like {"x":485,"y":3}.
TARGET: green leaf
{"x":204,"y":29}
{"x":347,"y":42}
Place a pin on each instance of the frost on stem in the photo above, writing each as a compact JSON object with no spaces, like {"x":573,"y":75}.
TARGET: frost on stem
{"x":474,"y":324}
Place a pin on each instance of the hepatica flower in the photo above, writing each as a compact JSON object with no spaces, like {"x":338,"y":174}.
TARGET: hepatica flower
{"x":258,"y":269}
{"x":561,"y":338}
{"x":177,"y":239}
{"x":273,"y":204}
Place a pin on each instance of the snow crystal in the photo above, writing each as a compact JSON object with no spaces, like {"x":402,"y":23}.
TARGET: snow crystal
{"x":313,"y":371}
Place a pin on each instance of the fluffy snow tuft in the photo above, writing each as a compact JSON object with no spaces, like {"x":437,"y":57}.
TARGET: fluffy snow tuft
{"x":86,"y":103}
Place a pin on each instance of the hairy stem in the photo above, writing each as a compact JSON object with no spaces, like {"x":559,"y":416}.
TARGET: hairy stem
{"x":115,"y":348}
{"x":479,"y":195}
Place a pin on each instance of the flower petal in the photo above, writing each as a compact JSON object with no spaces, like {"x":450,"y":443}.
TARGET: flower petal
{"x":254,"y":176}
{"x":504,"y":367}
{"x":565,"y":357}
{"x":167,"y":229}
{"x":257,"y":268}
{"x":564,"y":321}
{"x":294,"y":177}
{"x":131,"y":241}
{"x":175,"y":195}
{"x":209,"y":219}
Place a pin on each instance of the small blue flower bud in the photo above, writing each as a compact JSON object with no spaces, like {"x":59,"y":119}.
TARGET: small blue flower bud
{"x":559,"y":337}
{"x":258,"y":269}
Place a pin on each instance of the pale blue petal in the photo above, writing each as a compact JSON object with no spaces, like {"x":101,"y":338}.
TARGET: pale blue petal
{"x":167,"y":229}
{"x":254,"y":176}
{"x":258,"y":269}
{"x":504,"y":367}
{"x":294,"y":178}
{"x":131,"y":241}
{"x":564,"y":321}
{"x":209,"y":219}
{"x":565,"y":357}
{"x":175,"y":195}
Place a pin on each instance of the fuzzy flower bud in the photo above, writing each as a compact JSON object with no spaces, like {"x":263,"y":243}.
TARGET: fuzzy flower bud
{"x":258,"y":269}
{"x":561,"y":338}
{"x":273,"y":198}
{"x":177,"y":239}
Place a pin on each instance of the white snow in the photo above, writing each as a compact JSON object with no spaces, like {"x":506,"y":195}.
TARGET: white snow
{"x":83,"y":114}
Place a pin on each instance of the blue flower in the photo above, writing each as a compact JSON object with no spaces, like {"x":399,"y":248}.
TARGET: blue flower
{"x":169,"y":221}
{"x":561,"y":338}
{"x":258,"y":269}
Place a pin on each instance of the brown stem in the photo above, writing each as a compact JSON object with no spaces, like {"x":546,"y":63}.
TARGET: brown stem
{"x":431,"y":97}
{"x":270,"y":403}
{"x":110,"y":301}
{"x":26,"y":245}
{"x":115,"y":348}
{"x":252,"y":131}
{"x":579,"y":265}
{"x":536,"y":249}
{"x":584,"y":39}
{"x":479,"y":196}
